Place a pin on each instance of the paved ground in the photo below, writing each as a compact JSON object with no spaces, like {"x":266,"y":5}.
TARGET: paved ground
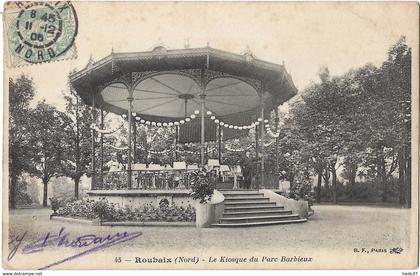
{"x":330,"y":227}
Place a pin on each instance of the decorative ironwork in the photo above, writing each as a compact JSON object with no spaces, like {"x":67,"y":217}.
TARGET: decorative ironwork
{"x":124,"y":79}
{"x":212,"y":75}
{"x":194,"y":74}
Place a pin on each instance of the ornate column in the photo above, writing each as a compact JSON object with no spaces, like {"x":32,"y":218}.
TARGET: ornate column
{"x":176,"y":142}
{"x":262,"y":140}
{"x":134,"y":141}
{"x":202,"y":140}
{"x":257,"y":156}
{"x":219,"y":132}
{"x":129,"y":173}
{"x":203,"y":111}
{"x":93,"y":168}
{"x":102,"y":145}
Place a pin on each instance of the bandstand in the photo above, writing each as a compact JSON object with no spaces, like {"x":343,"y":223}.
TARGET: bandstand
{"x":203,"y":94}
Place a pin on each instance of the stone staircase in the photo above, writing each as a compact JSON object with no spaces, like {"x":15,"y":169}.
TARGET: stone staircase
{"x":251,"y":208}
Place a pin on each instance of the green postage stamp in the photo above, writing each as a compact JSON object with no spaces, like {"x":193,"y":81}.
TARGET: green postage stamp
{"x":40,"y":32}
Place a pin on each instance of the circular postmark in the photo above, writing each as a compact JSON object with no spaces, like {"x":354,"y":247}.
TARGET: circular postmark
{"x":43,"y":31}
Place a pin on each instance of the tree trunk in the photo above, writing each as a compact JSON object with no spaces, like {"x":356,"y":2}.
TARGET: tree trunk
{"x":334,"y":181}
{"x":334,"y":186}
{"x":12,"y":191}
{"x":401,"y":178}
{"x":318,"y":195}
{"x":383,"y":179}
{"x":352,"y":174}
{"x":76,"y":187}
{"x":408,"y":176}
{"x":45,"y":197}
{"x":326,"y":176}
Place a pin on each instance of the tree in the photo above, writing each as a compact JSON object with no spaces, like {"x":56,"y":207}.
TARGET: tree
{"x":21,"y":93}
{"x":77,"y":144}
{"x":46,"y":138}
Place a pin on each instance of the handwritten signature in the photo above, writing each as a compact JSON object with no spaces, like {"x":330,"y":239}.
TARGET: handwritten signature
{"x":90,"y":242}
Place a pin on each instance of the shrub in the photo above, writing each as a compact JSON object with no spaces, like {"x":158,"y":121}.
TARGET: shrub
{"x":55,"y":204}
{"x":201,"y":186}
{"x":104,"y":210}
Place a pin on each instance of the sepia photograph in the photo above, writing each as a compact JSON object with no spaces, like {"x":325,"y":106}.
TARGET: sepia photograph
{"x":210,"y":135}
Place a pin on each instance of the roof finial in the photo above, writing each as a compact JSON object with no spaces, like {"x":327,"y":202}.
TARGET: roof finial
{"x":91,"y":60}
{"x":249,"y":55}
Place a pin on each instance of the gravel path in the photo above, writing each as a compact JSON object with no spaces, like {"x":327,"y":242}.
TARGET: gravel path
{"x":330,"y":227}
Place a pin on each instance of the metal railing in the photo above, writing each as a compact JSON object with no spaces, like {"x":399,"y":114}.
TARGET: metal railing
{"x":140,"y":180}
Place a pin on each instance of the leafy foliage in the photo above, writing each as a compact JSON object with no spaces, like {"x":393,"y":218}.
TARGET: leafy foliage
{"x":202,"y":187}
{"x":21,"y":93}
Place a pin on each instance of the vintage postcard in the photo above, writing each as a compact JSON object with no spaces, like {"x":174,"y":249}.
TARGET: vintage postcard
{"x":210,"y":135}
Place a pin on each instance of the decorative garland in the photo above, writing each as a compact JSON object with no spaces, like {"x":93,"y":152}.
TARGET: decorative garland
{"x":105,"y":131}
{"x":165,"y":124}
{"x":238,"y":150}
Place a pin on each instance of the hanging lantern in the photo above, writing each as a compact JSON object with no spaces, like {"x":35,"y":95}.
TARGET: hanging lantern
{"x":124,"y":116}
{"x":212,"y":117}
{"x":267,"y":125}
{"x":147,"y":122}
{"x":176,"y":123}
{"x":137,"y":118}
{"x":257,"y":123}
{"x":192,"y":116}
{"x":241,"y":128}
{"x":235,"y":127}
{"x":209,"y":112}
{"x":265,"y":121}
{"x":165,"y":124}
{"x":134,"y":114}
{"x":142,"y":121}
{"x":221,"y":123}
{"x":196,"y":112}
{"x":182,"y":122}
{"x":153,"y":123}
{"x":216,"y":121}
{"x":159,"y":124}
{"x":170,"y":124}
{"x":231,"y":126}
{"x":187,"y":119}
{"x":259,"y":119}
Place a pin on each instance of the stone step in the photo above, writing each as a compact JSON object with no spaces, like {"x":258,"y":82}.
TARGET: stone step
{"x":256,"y":213}
{"x":238,"y":192}
{"x":246,"y":199}
{"x":258,"y":218}
{"x":233,"y":196}
{"x":234,"y":209}
{"x":254,"y":203}
{"x":261,"y":223}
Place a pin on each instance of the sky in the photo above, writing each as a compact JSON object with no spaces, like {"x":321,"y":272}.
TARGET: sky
{"x":305,"y":36}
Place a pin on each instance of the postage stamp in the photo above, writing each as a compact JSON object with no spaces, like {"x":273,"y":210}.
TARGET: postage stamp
{"x":40,"y":32}
{"x":210,"y":135}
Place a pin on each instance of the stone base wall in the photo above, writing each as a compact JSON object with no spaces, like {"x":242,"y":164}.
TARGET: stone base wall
{"x":137,"y":199}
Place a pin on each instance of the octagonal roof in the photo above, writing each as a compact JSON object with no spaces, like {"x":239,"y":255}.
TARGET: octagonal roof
{"x":162,"y":80}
